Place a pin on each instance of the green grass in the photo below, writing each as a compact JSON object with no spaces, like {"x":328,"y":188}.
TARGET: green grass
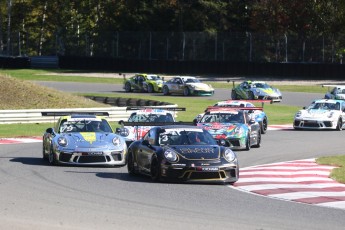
{"x":337,"y":174}
{"x":46,"y":75}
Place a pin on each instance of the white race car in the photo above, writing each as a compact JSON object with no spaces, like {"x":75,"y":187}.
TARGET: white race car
{"x":337,"y":92}
{"x":146,"y":118}
{"x":321,"y":114}
{"x":187,"y":86}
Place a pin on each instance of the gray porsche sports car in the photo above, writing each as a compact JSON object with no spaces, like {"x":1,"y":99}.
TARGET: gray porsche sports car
{"x":83,"y":139}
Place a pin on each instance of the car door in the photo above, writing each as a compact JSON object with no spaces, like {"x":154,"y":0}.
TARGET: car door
{"x":175,"y":85}
{"x":145,"y":152}
{"x":243,"y":89}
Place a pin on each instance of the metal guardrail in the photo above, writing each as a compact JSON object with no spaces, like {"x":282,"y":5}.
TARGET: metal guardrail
{"x":35,"y":115}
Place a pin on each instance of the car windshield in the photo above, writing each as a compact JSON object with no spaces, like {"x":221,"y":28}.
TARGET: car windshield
{"x":151,"y":117}
{"x":186,"y":137}
{"x":222,"y":118}
{"x":260,"y":85}
{"x":70,"y":126}
{"x":325,"y":106}
{"x":154,"y":77}
{"x":340,"y":91}
{"x":191,"y":80}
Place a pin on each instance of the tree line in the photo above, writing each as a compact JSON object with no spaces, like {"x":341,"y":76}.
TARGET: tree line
{"x":38,"y":27}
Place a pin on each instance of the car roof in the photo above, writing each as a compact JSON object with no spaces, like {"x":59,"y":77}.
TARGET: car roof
{"x":152,"y":111}
{"x":232,"y":102}
{"x":327,"y":100}
{"x":180,"y":127}
{"x":224,"y":110}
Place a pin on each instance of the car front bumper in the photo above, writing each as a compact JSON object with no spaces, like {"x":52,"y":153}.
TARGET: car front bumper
{"x":92,"y":157}
{"x":314,"y":124}
{"x":201,"y":172}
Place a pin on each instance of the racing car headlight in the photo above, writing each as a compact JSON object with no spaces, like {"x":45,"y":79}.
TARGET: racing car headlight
{"x":298,"y":114}
{"x":124,"y":132}
{"x":229,"y":155}
{"x":62,"y":141}
{"x":170,"y":155}
{"x":116,"y":141}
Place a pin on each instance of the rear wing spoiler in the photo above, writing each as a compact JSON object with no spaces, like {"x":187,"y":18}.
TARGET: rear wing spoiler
{"x":155,"y":123}
{"x":150,"y":107}
{"x":68,"y":113}
{"x":223,"y":108}
{"x":253,"y":101}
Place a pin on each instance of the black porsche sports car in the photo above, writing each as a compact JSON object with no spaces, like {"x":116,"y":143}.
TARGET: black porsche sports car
{"x":183,"y":153}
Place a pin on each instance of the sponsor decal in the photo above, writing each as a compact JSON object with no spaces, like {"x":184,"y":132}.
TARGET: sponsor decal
{"x":207,"y":169}
{"x":197,"y":150}
{"x":89,"y":137}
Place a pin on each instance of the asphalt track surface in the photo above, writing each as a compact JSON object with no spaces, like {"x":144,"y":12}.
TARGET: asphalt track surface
{"x":35,"y":195}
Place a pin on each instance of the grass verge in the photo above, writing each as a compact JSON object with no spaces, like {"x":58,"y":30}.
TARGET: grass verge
{"x":337,"y":174}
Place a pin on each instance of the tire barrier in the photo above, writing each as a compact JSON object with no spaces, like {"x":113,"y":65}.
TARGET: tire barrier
{"x":124,"y":102}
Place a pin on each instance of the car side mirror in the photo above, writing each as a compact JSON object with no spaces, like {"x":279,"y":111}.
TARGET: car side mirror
{"x":50,"y":130}
{"x":145,"y":142}
{"x":195,"y":121}
{"x":121,"y":122}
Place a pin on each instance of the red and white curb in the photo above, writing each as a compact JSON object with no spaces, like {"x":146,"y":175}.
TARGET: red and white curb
{"x":4,"y":141}
{"x":280,"y":127}
{"x":301,"y":181}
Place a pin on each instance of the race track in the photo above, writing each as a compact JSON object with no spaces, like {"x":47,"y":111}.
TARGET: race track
{"x":35,"y":195}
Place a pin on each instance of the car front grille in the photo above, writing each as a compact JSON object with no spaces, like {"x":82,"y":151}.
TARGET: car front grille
{"x":90,"y":159}
{"x":65,"y":157}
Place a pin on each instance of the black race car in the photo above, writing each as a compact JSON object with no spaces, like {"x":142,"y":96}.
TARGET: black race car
{"x":183,"y":153}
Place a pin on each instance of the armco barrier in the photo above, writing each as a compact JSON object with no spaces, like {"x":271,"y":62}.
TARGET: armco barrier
{"x":35,"y":116}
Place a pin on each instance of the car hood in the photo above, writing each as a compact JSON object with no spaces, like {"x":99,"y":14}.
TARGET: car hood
{"x":197,"y":152}
{"x":200,"y":86}
{"x":156,"y":81}
{"x":316,"y":113}
{"x":224,"y":130}
{"x":268,"y":91}
{"x":89,"y":139}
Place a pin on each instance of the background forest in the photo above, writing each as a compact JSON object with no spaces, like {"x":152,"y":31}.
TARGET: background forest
{"x":250,"y":30}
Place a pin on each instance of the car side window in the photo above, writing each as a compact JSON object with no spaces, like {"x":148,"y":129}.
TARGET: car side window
{"x":152,"y":137}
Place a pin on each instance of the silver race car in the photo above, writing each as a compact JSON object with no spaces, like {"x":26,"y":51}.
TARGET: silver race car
{"x":83,"y":139}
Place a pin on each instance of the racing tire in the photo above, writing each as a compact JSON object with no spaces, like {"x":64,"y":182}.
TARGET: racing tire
{"x":263,"y":126}
{"x":128,"y":87}
{"x":339,"y":125}
{"x":44,"y":156}
{"x":165,"y":90}
{"x":130,"y":165}
{"x":234,"y":95}
{"x":150,"y":88}
{"x":258,"y":142}
{"x":186,"y":91}
{"x":248,"y":144}
{"x":155,"y":169}
{"x":52,"y":158}
{"x":250,"y":95}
